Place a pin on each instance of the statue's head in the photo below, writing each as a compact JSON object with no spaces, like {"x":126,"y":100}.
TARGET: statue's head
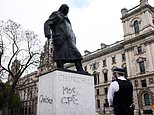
{"x":64,"y":9}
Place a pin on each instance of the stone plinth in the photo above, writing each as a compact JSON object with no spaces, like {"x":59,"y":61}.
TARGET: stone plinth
{"x":66,"y":93}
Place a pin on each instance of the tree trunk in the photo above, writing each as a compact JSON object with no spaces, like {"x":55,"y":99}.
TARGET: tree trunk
{"x":5,"y":108}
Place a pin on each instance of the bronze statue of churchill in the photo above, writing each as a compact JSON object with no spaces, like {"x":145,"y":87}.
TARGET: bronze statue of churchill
{"x":64,"y":40}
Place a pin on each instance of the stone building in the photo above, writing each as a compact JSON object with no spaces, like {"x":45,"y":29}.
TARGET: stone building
{"x":134,"y":53}
{"x":28,"y":91}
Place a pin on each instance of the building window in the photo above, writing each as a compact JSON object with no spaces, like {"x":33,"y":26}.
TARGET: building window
{"x":97,"y":91}
{"x":105,"y":90}
{"x":30,"y":110}
{"x":151,"y":80}
{"x":105,"y":74}
{"x":144,"y":83}
{"x":85,"y":68}
{"x":104,"y":62}
{"x":98,"y":103}
{"x":136,"y":83}
{"x":106,"y":104}
{"x":105,"y":77}
{"x":141,"y":62}
{"x":113,"y":60}
{"x":139,"y":49}
{"x":136,"y":26}
{"x":94,"y":66}
{"x":28,"y":92}
{"x":123,"y":57}
{"x":146,"y":99}
{"x":96,"y":78}
{"x":26,"y":111}
{"x":31,"y":94}
{"x":142,"y":67}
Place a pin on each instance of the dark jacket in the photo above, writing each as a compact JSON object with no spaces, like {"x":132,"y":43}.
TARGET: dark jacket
{"x":64,"y":40}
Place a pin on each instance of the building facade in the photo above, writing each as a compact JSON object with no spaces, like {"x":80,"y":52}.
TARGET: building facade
{"x":28,"y":91}
{"x":134,"y":53}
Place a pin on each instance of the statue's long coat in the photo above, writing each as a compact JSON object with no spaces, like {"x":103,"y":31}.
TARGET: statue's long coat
{"x":64,"y":40}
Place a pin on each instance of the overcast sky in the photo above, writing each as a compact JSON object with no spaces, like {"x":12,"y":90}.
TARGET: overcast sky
{"x":93,"y":21}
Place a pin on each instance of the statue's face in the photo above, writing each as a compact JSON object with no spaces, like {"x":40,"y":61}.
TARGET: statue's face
{"x":64,"y":9}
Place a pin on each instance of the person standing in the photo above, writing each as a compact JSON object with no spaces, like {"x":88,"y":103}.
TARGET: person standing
{"x":58,"y":27}
{"x":120,"y":94}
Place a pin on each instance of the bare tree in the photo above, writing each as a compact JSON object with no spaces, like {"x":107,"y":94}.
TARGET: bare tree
{"x":19,"y":53}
